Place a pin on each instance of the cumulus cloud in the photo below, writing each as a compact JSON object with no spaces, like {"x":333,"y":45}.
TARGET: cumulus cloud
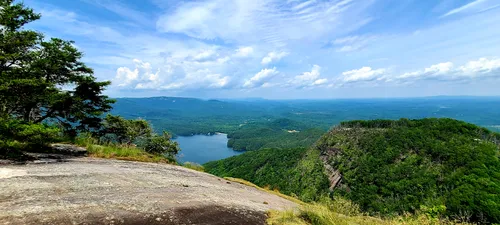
{"x":362,"y":74}
{"x":243,"y":51}
{"x":205,"y":54}
{"x":142,"y":72}
{"x":261,"y":78}
{"x":476,"y":69}
{"x":481,"y":68}
{"x":273,"y":57}
{"x":308,"y":79}
{"x":176,"y":73}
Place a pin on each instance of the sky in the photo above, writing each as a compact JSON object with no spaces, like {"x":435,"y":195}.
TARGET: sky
{"x":283,"y":49}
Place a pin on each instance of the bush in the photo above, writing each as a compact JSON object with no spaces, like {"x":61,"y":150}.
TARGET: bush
{"x":116,"y":129}
{"x":17,"y":135}
{"x":194,"y":166}
{"x":161,"y":144}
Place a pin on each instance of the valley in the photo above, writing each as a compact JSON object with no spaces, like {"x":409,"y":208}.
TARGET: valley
{"x":258,"y":123}
{"x":295,"y":112}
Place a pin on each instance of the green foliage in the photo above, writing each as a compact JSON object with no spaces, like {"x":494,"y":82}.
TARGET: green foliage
{"x":194,"y":166}
{"x":117,"y":151}
{"x":275,"y":169}
{"x":33,"y":72}
{"x":161,"y":144}
{"x":123,"y":131}
{"x":17,"y":135}
{"x":406,"y":165}
{"x":27,"y":132}
{"x":119,"y":131}
{"x":340,"y":211}
{"x":280,"y":133}
{"x":434,"y":211}
{"x":309,"y":177}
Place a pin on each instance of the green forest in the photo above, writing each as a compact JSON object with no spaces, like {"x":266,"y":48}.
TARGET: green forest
{"x":280,"y":133}
{"x":278,"y":169}
{"x":388,"y":167}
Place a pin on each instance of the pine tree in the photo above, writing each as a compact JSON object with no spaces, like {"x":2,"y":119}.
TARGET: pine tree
{"x":44,"y":79}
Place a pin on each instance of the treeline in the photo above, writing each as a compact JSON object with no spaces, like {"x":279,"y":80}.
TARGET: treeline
{"x":442,"y":165}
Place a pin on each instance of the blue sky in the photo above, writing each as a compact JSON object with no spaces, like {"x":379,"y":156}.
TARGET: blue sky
{"x":282,"y":49}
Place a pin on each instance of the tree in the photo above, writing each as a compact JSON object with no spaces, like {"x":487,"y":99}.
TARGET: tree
{"x":45,"y":80}
{"x":117,"y":129}
{"x":123,"y":131}
{"x":161,"y":144}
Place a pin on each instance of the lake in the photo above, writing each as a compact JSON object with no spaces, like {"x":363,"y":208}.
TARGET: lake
{"x":204,"y":148}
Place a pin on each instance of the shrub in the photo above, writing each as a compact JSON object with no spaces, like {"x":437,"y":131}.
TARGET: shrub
{"x":194,"y":166}
{"x":161,"y":144}
{"x":17,"y":135}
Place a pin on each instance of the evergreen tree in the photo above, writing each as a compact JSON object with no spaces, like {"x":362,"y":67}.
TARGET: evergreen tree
{"x":45,"y":80}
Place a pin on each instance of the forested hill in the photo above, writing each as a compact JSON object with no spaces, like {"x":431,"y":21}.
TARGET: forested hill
{"x":408,"y":165}
{"x":443,"y":167}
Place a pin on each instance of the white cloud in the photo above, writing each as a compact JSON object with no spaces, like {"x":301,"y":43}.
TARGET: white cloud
{"x":263,"y":21}
{"x":175,"y":74}
{"x":205,"y":54}
{"x":362,"y":74}
{"x":125,"y":76}
{"x":273,"y":57}
{"x":308,"y":76}
{"x":308,"y":79}
{"x":476,"y":69}
{"x":142,"y":73}
{"x":320,"y":82}
{"x":481,"y":68}
{"x":243,"y":51}
{"x":353,"y":43}
{"x":472,"y":7}
{"x":432,"y":71}
{"x":261,"y":78}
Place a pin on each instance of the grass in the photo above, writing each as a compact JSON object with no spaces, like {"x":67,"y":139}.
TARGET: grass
{"x":336,"y":211}
{"x":342,"y":212}
{"x":121,"y":152}
{"x":194,"y":166}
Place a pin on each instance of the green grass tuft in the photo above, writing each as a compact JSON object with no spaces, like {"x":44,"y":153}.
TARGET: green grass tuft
{"x":121,"y":152}
{"x":194,"y":166}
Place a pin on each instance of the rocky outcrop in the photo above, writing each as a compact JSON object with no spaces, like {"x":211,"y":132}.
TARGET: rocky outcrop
{"x":69,"y":149}
{"x":99,"y":191}
{"x":334,"y":175}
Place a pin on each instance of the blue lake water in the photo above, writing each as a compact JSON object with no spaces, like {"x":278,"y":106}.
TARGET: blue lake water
{"x":203,"y":148}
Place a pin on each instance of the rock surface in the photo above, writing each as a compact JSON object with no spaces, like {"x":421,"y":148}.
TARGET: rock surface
{"x":98,"y":191}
